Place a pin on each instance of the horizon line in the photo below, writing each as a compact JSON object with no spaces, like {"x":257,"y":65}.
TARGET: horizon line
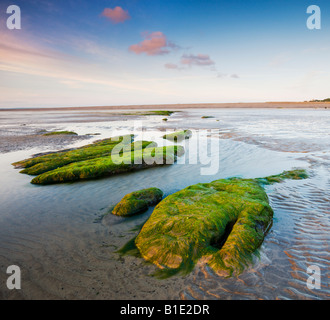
{"x":269,"y":104}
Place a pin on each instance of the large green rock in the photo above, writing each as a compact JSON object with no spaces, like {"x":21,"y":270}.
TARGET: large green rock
{"x":102,"y":158}
{"x":54,"y":160}
{"x":221,"y":223}
{"x":138,"y":202}
{"x":121,"y":162}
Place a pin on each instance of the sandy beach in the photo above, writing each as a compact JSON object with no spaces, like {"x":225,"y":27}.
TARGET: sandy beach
{"x":66,"y":247}
{"x":286,"y":105}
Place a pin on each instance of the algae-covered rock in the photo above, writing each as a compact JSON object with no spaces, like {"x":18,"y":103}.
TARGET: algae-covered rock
{"x":297,"y":174}
{"x":119,"y":162}
{"x":47,"y":162}
{"x":55,"y":133}
{"x":83,"y":154}
{"x":221,"y":223}
{"x":150,"y":113}
{"x":102,"y":158}
{"x":138,"y":202}
{"x":178,"y":136}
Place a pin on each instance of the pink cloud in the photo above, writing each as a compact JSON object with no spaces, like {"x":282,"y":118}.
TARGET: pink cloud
{"x":116,"y":15}
{"x":198,"y":60}
{"x":155,"y":43}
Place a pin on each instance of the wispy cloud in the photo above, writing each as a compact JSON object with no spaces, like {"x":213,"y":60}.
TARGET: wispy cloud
{"x":198,"y":60}
{"x":226,"y":75}
{"x":116,"y":15}
{"x":189,"y":60}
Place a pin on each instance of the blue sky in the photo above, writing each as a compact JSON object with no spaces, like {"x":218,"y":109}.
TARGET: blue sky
{"x":117,"y":52}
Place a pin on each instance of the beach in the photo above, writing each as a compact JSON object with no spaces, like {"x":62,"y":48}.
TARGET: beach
{"x":243,"y":105}
{"x":65,"y":242}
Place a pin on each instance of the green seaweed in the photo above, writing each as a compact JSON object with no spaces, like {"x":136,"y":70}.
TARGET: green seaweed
{"x":221,"y":223}
{"x":111,"y":165}
{"x":137,"y":202}
{"x":150,"y":113}
{"x":54,"y":133}
{"x":194,"y":222}
{"x":178,"y":136}
{"x":297,"y":174}
{"x":162,"y":112}
{"x":44,"y":163}
{"x":76,"y":156}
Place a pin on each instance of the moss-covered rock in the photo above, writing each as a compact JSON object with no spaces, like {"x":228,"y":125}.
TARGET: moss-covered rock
{"x":54,"y":160}
{"x":138,"y":202}
{"x":110,"y":165}
{"x":83,"y":154}
{"x":54,"y":133}
{"x":195,"y":223}
{"x":221,"y":223}
{"x":178,"y":136}
{"x":292,"y":174}
{"x":150,"y":113}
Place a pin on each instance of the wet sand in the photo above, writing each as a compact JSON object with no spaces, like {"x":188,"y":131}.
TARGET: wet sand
{"x":23,"y":142}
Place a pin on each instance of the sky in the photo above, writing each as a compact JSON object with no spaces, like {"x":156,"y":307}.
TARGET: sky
{"x":135,"y":52}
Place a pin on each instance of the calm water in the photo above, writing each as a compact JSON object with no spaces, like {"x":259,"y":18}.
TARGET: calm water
{"x":65,"y":250}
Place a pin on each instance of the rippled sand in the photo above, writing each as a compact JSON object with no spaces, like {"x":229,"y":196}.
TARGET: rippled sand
{"x":65,"y":249}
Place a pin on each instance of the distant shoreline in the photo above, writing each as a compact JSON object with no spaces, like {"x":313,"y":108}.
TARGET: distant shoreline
{"x":247,"y":105}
